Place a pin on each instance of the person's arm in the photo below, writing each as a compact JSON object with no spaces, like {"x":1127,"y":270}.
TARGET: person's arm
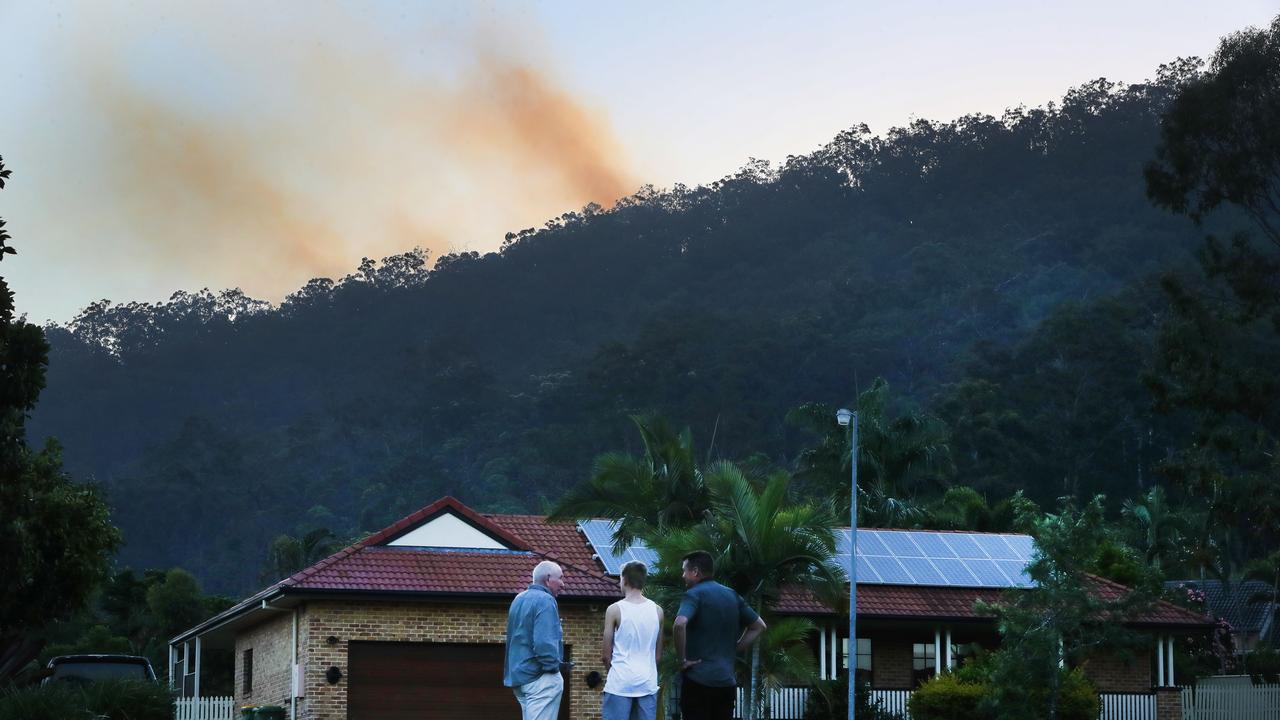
{"x":546,"y":637}
{"x":611,"y":618}
{"x":680,"y":631}
{"x":751,"y":634}
{"x":657,"y":648}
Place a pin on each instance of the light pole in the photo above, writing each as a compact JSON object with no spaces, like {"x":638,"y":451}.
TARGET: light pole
{"x":850,"y":418}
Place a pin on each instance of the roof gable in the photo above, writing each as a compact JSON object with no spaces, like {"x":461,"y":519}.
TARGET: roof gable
{"x":447,"y":530}
{"x":468,"y":525}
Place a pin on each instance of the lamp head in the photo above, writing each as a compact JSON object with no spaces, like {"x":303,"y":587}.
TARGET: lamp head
{"x":843,"y":416}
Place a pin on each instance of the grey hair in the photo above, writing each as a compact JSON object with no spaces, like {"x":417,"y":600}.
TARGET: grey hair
{"x":542,"y":570}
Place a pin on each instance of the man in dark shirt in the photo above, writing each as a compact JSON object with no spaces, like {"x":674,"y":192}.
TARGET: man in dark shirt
{"x":712,"y":626}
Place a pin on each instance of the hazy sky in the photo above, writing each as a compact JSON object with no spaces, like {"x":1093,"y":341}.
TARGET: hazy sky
{"x":158,"y":146}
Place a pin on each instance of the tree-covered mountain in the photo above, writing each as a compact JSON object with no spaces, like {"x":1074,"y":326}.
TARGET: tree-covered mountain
{"x":996,"y":270}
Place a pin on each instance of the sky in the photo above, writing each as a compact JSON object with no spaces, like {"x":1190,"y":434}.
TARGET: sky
{"x":160,"y":146}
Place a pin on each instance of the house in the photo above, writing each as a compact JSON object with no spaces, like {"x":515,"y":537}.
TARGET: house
{"x":1248,"y":606}
{"x":414,"y":616}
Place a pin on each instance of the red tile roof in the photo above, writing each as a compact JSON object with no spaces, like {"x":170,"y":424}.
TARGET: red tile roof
{"x":953,"y":603}
{"x":393,"y":569}
{"x":369,"y":566}
{"x":562,"y":539}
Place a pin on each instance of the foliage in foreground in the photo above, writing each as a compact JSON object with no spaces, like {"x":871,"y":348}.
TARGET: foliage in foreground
{"x":107,"y":700}
{"x":830,"y":701}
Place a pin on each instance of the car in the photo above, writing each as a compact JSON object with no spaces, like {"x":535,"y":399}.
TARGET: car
{"x":92,"y":668}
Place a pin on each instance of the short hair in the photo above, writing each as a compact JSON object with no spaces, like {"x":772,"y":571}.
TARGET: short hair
{"x":701,"y":561}
{"x":542,"y":570}
{"x":633,"y":574}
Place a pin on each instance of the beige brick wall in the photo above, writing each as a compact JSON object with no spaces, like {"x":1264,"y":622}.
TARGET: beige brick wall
{"x":1169,"y":704}
{"x":1111,"y":673}
{"x":473,"y":621}
{"x":270,"y":642}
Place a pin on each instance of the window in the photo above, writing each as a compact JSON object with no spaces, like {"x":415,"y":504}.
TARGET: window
{"x":864,"y":658}
{"x":247,"y":664}
{"x":922,"y":661}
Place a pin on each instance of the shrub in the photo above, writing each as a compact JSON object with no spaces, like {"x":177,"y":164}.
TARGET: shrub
{"x":830,"y":701}
{"x":108,"y":700}
{"x":50,"y":702}
{"x":947,"y":697}
{"x":1078,"y":700}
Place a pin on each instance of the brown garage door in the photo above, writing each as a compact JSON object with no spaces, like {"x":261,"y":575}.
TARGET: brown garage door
{"x":440,"y":681}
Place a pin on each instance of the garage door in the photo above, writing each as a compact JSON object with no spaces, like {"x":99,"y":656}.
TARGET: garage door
{"x":437,"y":681}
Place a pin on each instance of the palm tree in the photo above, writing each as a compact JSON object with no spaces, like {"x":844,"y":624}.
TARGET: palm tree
{"x":896,"y":455}
{"x":761,"y":543}
{"x":289,"y":554}
{"x":646,"y":494}
{"x":1160,"y":526}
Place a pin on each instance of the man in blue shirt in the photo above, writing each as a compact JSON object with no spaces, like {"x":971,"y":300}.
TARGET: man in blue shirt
{"x":712,"y":626}
{"x":532,"y":667}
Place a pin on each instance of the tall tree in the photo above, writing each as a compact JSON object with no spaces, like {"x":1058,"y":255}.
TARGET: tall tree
{"x":1219,"y":158}
{"x":57,"y":535}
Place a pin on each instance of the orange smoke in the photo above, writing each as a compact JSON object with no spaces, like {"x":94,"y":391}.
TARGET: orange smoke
{"x":280,"y":162}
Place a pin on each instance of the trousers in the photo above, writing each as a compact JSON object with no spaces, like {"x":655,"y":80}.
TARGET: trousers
{"x":540,"y":699}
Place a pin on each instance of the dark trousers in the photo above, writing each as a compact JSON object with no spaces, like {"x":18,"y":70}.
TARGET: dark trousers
{"x":701,"y":702}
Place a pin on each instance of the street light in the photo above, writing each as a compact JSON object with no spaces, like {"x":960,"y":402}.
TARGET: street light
{"x":849,"y":418}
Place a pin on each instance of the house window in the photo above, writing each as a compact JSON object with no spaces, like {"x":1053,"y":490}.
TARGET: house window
{"x":247,"y":663}
{"x":922,"y":661}
{"x":864,"y":658}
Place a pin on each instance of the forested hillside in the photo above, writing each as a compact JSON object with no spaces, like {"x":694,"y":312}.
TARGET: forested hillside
{"x":998,"y":272}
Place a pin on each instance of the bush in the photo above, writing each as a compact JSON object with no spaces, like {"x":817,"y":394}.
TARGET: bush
{"x":830,"y":701}
{"x":1078,"y":700}
{"x":947,"y":697}
{"x":109,"y":700}
{"x":51,"y":702}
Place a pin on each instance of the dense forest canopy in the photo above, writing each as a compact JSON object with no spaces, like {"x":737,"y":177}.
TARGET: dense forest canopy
{"x":997,"y":272}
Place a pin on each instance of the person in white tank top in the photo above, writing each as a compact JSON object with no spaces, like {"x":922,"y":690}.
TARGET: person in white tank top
{"x":631,"y":650}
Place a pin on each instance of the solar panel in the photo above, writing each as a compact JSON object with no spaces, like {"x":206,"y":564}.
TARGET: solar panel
{"x":965,"y":546}
{"x":886,"y":557}
{"x":599,"y":534}
{"x":932,"y":544}
{"x":952,"y":559}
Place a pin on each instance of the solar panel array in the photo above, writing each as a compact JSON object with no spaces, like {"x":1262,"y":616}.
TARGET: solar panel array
{"x":885,"y":557}
{"x":600,"y":534}
{"x":956,"y":559}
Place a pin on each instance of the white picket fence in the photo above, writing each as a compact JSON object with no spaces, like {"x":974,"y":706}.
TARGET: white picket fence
{"x":780,"y":704}
{"x":1115,"y":706}
{"x":1127,"y":706}
{"x":205,"y":708}
{"x":895,"y":701}
{"x":1233,"y":702}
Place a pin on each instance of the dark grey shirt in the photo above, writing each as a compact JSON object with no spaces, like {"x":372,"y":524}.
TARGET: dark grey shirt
{"x":716,"y":616}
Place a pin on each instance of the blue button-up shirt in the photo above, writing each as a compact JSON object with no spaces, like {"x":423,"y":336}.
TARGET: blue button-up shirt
{"x":533,"y":637}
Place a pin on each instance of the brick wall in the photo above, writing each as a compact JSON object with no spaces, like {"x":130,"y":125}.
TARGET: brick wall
{"x":891,"y":664}
{"x":1112,"y":673}
{"x":1168,"y":704}
{"x":270,"y":642}
{"x":475,"y":622}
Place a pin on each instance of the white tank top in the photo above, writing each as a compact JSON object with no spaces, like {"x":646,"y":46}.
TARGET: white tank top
{"x":634,"y":672}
